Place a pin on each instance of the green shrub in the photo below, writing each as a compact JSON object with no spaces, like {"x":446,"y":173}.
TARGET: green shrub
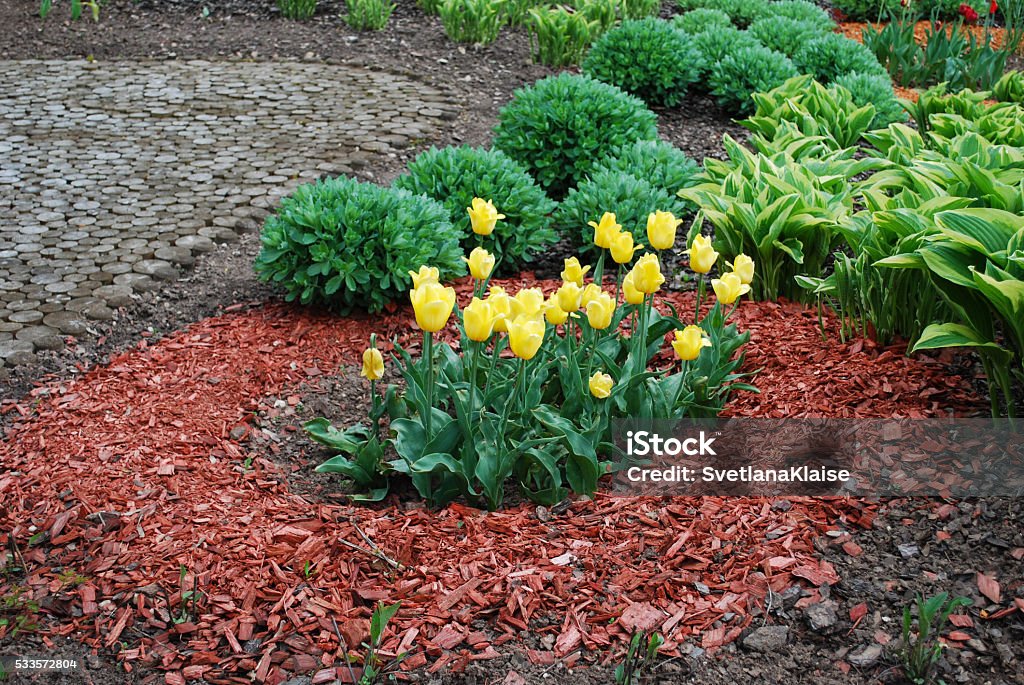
{"x":718,"y":41}
{"x":783,"y":34}
{"x":867,"y":10}
{"x":562,"y":126}
{"x":701,"y":19}
{"x":829,"y":57}
{"x":472,"y":21}
{"x":802,"y":10}
{"x":368,"y":15}
{"x":296,"y":9}
{"x":746,"y":71}
{"x":661,"y":164}
{"x":872,"y":89}
{"x":648,"y":58}
{"x":350,"y":244}
{"x":455,"y":175}
{"x":1010,"y":88}
{"x":638,"y":9}
{"x":742,"y":13}
{"x":558,"y":37}
{"x":631,"y":198}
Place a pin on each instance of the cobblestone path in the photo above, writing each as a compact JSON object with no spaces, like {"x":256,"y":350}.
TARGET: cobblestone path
{"x":115,"y":175}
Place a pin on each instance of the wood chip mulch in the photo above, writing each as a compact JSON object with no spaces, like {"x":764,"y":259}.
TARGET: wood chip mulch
{"x":130,"y":476}
{"x":855,"y":30}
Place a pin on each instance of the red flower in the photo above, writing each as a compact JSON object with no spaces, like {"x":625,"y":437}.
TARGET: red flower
{"x":968,"y":13}
{"x":992,"y":7}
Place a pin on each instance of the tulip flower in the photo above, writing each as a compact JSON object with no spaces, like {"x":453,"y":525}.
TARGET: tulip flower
{"x":729,"y":287}
{"x":647,"y":277}
{"x":601,"y":385}
{"x":573,"y":272}
{"x":483,"y":216}
{"x":478,"y":320}
{"x":481,"y":263}
{"x":589,"y":293}
{"x":622,"y":248}
{"x":661,"y":229}
{"x":689,"y":342}
{"x":569,"y":296}
{"x":554,"y":313}
{"x":632,"y":295}
{"x":600,"y":311}
{"x":525,"y":336}
{"x":426,"y":274}
{"x":373,"y":364}
{"x":501,"y":307}
{"x":433,"y":305}
{"x":744,"y":268}
{"x":528,"y":301}
{"x":702,"y":255}
{"x":605,"y":231}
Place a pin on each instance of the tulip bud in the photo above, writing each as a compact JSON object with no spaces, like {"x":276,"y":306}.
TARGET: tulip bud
{"x":661,"y":229}
{"x":432,"y":304}
{"x":744,"y":268}
{"x":373,"y":364}
{"x":729,"y":288}
{"x":483,"y":216}
{"x":554,"y":313}
{"x":573,"y":272}
{"x":702,"y":255}
{"x":589,"y":293}
{"x":528,"y":301}
{"x":647,"y":277}
{"x":426,"y":274}
{"x":623,"y":248}
{"x":629,"y":291}
{"x":478,"y":320}
{"x":501,"y":307}
{"x":605,"y":231}
{"x":525,"y":336}
{"x":689,"y":342}
{"x":600,"y":385}
{"x":600,"y":311}
{"x":481,"y":263}
{"x":568,"y":296}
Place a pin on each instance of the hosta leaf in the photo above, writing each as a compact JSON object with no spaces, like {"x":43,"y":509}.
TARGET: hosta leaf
{"x":938,"y":336}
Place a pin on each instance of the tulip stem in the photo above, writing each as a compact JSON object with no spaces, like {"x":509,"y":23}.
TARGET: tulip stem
{"x":474,"y":367}
{"x":373,"y":404}
{"x":700,"y":298}
{"x":428,"y":354}
{"x":618,"y":284}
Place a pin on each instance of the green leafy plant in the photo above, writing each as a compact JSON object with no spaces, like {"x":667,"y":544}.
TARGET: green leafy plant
{"x":921,"y":651}
{"x":874,"y":90}
{"x":742,"y":13}
{"x":803,"y":11}
{"x":648,"y":58}
{"x":559,"y":36}
{"x":18,"y":611}
{"x":699,"y":20}
{"x":430,"y":6}
{"x":472,"y":21}
{"x":638,"y":9}
{"x":714,"y":43}
{"x":562,"y":127}
{"x":350,"y":244}
{"x":639,"y":658}
{"x":46,"y":6}
{"x":745,"y":71}
{"x":829,"y":57}
{"x":867,"y":10}
{"x":661,"y":164}
{"x":606,"y":13}
{"x":456,"y":175}
{"x":374,"y":669}
{"x":296,"y":9}
{"x":372,"y":15}
{"x":783,"y":34}
{"x":1010,"y":87}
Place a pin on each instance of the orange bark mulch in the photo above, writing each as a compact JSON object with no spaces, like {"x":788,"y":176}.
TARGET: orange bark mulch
{"x":855,"y":29}
{"x":129,"y":473}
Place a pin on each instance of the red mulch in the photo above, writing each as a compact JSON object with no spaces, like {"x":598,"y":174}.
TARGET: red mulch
{"x":130,"y":473}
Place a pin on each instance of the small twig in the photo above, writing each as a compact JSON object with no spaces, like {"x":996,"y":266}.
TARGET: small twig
{"x":16,"y":553}
{"x":374,"y":550}
{"x":375,"y":555}
{"x":344,"y":650}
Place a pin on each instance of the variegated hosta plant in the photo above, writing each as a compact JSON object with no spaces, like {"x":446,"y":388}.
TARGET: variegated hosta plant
{"x":528,"y":392}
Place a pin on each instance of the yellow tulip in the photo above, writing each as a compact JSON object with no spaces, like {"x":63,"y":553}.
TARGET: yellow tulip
{"x":528,"y":301}
{"x":605,"y":231}
{"x":478,"y":320}
{"x":623,"y":248}
{"x":702,"y":255}
{"x":589,"y":294}
{"x":554,"y":313}
{"x":689,"y":342}
{"x":573,"y":272}
{"x":525,"y":336}
{"x":501,"y":307}
{"x":661,"y":229}
{"x":600,"y":385}
{"x":729,"y":287}
{"x":481,"y":263}
{"x":629,"y":291}
{"x":647,"y":276}
{"x":483,"y":216}
{"x":600,"y":311}
{"x":569,"y":296}
{"x":373,"y":364}
{"x":433,"y":305}
{"x":426,"y":274}
{"x":744,"y":268}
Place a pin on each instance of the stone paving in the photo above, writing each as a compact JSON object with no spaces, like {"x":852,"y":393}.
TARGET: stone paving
{"x":115,"y":175}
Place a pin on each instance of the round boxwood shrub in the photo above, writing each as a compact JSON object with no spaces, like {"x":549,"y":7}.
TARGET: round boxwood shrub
{"x":661,"y":164}
{"x":630,"y":198}
{"x":745,"y":71}
{"x":648,"y":58}
{"x":828,"y":57}
{"x":455,"y":175}
{"x":802,"y":10}
{"x":783,"y":34}
{"x":876,"y":90}
{"x":718,"y":41}
{"x":349,"y":244}
{"x":562,"y":126}
{"x":701,"y":19}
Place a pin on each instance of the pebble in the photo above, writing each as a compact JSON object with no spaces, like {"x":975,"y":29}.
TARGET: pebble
{"x":821,"y":617}
{"x":866,"y":657}
{"x":767,"y":639}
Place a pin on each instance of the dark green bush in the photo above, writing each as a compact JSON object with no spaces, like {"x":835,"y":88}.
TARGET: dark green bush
{"x":950,"y":9}
{"x":829,"y":57}
{"x":648,"y":58}
{"x":701,"y":19}
{"x":562,"y":126}
{"x":661,"y":164}
{"x":742,"y":12}
{"x":718,"y":41}
{"x":455,"y":175}
{"x":805,"y":11}
{"x":745,"y":71}
{"x":783,"y":34}
{"x":876,"y":90}
{"x":867,"y":10}
{"x":630,"y":198}
{"x":350,"y":244}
